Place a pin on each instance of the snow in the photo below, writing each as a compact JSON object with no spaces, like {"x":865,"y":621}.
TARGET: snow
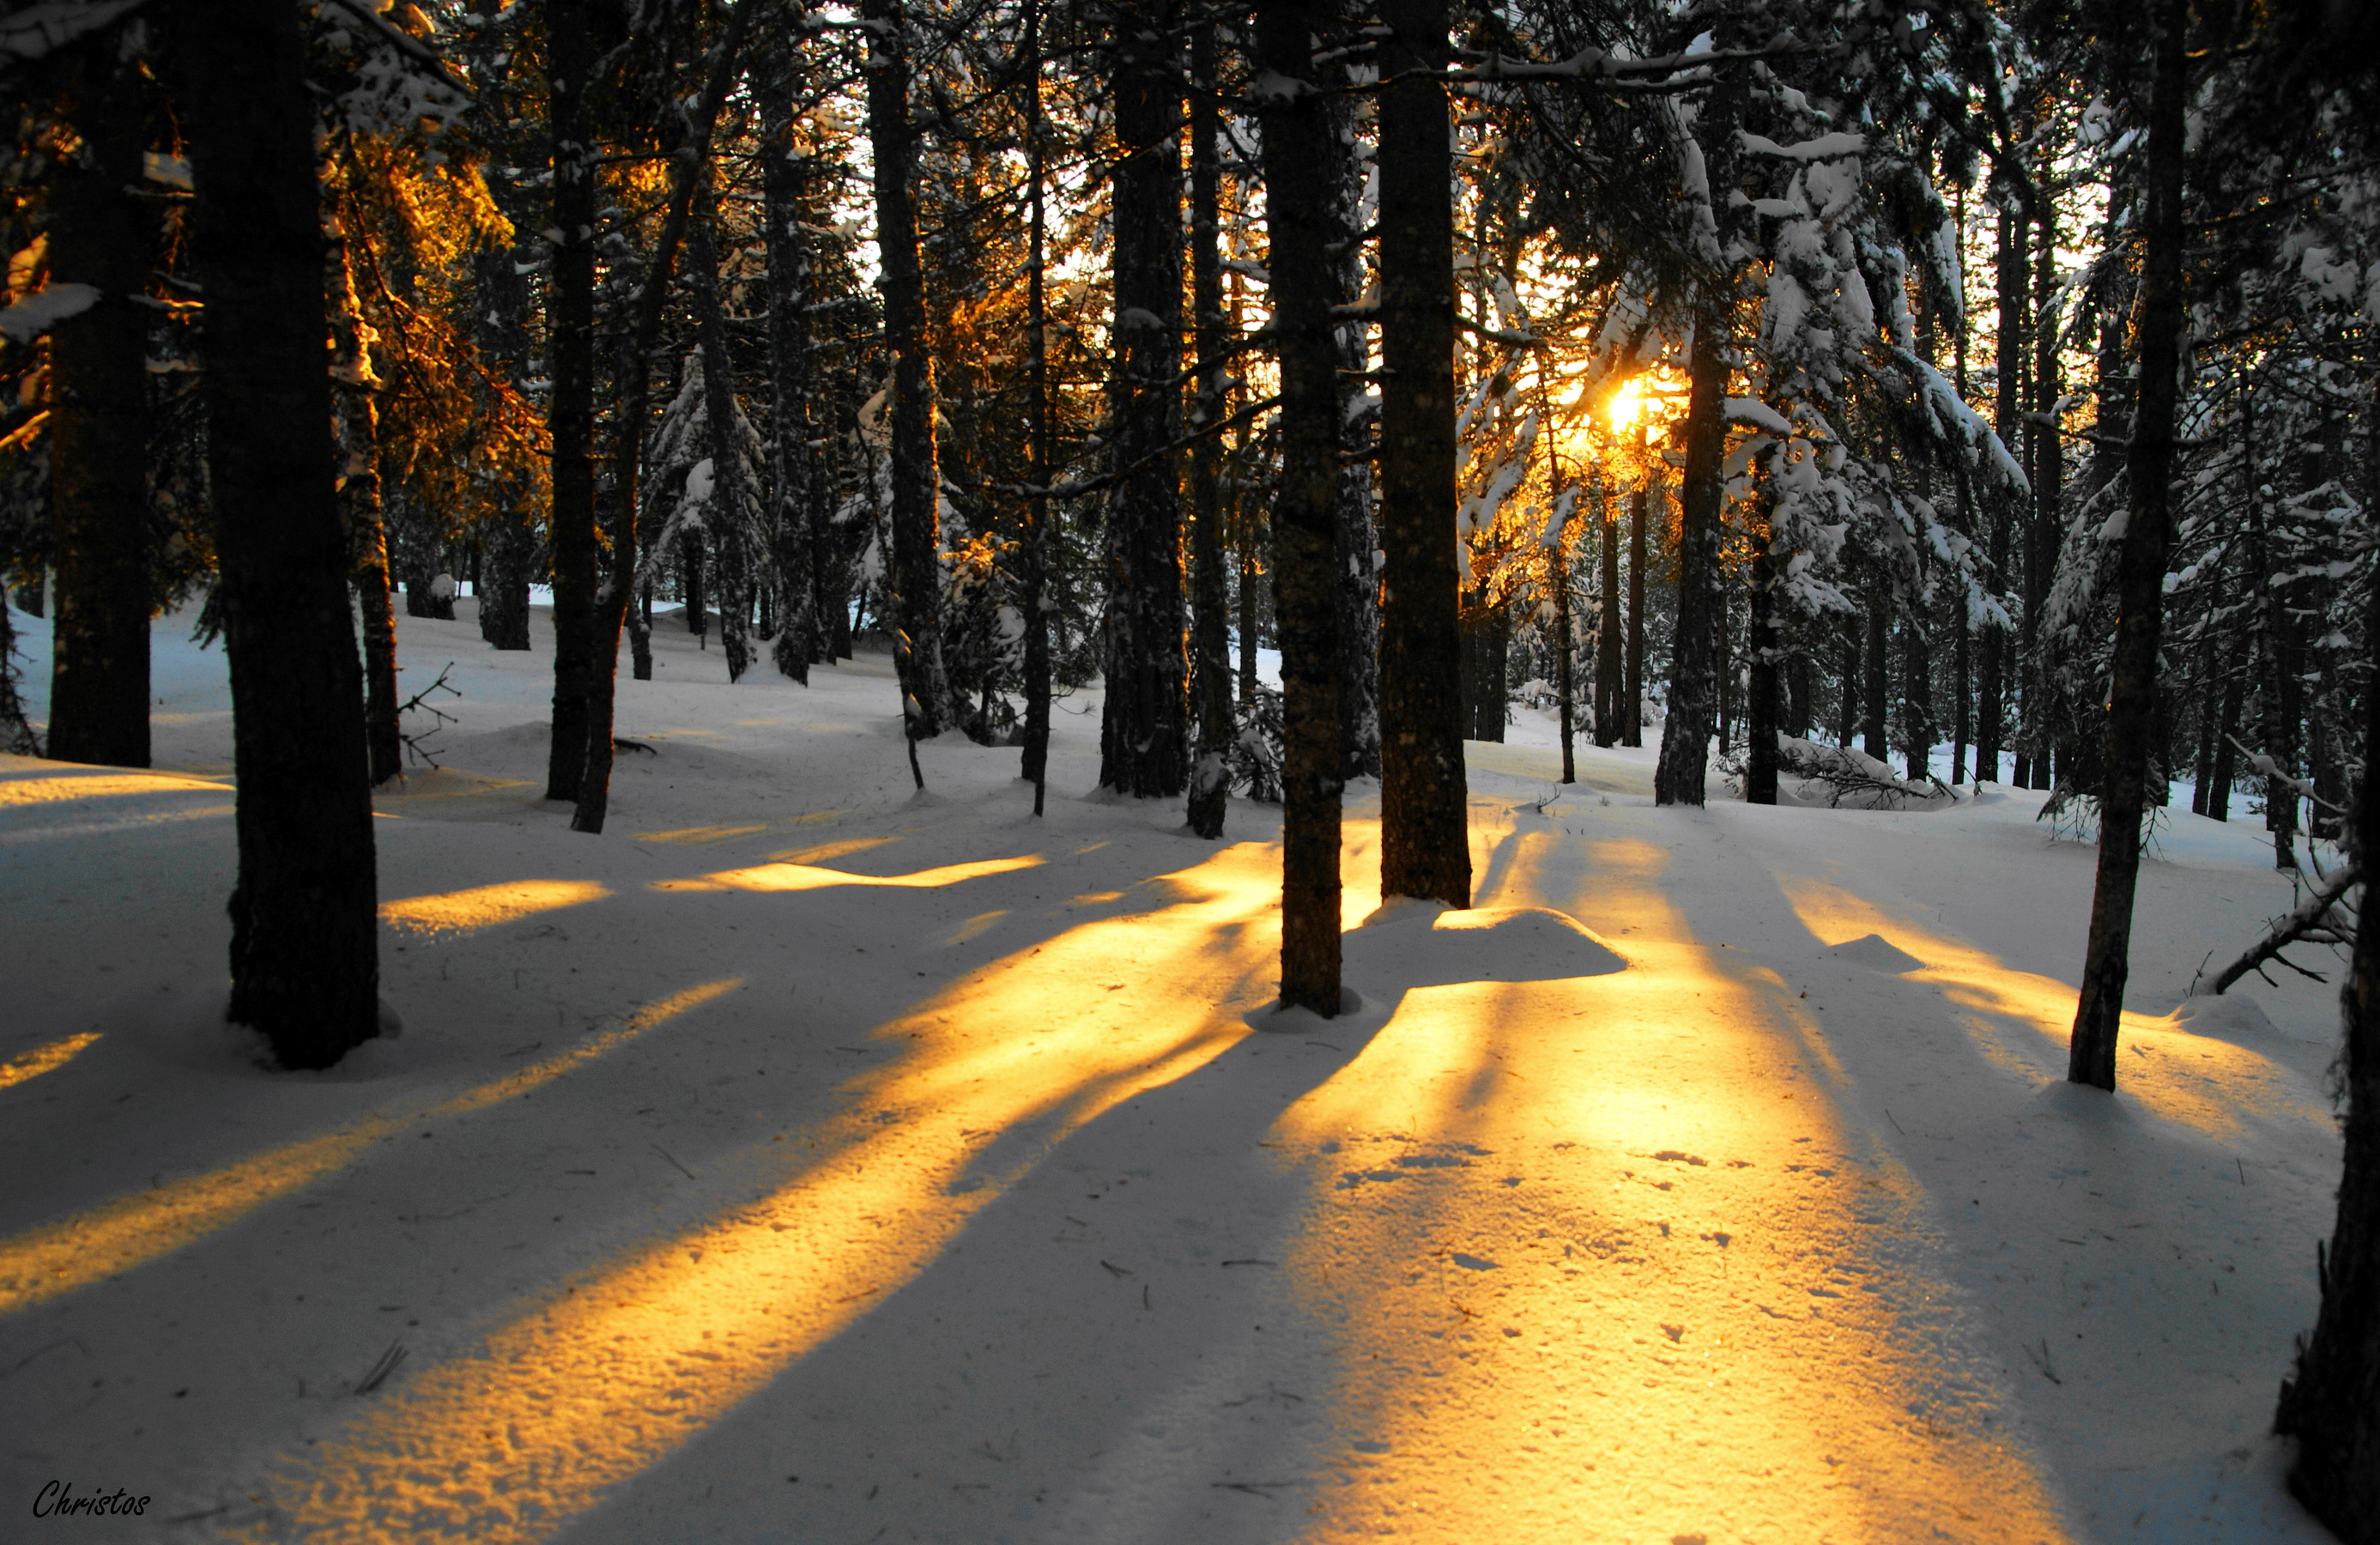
{"x":808,"y":1160}
{"x":44,"y":308}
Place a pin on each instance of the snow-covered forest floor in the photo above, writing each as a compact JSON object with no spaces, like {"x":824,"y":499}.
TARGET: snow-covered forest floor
{"x":803,"y":1161}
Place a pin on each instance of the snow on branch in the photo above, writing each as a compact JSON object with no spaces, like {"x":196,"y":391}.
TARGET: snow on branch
{"x":44,"y":308}
{"x":37,"y":32}
{"x":1825,"y":147}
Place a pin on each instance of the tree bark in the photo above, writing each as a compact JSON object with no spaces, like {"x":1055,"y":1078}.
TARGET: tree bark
{"x":1633,"y":710}
{"x":1610,"y":711}
{"x":1300,"y":219}
{"x":1760,"y":712}
{"x":2158,"y":318}
{"x":570,"y":409}
{"x":916,"y":569}
{"x":793,"y":466}
{"x":1035,"y":762}
{"x":1424,"y":842}
{"x":2331,"y":1403}
{"x":1685,"y":734}
{"x":1144,"y":727}
{"x":1210,"y":779}
{"x":732,"y":499}
{"x":304,"y":952}
{"x":690,"y":165}
{"x":2009,"y":514}
{"x":98,"y":422}
{"x":356,"y":416}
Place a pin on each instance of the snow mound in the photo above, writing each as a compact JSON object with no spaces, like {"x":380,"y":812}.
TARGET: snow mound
{"x":1878,"y":953}
{"x":1427,"y":946}
{"x":2223,"y":1014}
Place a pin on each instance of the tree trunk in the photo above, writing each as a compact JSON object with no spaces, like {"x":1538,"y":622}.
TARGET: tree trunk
{"x":100,"y":236}
{"x":500,"y":309}
{"x":2331,"y":1403}
{"x":2158,"y":318}
{"x":1425,"y":843}
{"x":357,"y":423}
{"x":1145,"y":726}
{"x":2218,"y":796}
{"x":305,"y":967}
{"x":1300,"y":218}
{"x":2009,"y":514}
{"x":570,"y":410}
{"x":731,"y":497}
{"x":1685,"y":736}
{"x":1917,"y":697}
{"x":1760,"y":712}
{"x":1211,"y":778}
{"x":1354,"y":568}
{"x":1036,"y":767}
{"x":1880,"y":670}
{"x":1632,"y":709}
{"x":1611,"y":709}
{"x":916,"y":570}
{"x":634,"y":385}
{"x":1565,"y":650}
{"x":793,"y":466}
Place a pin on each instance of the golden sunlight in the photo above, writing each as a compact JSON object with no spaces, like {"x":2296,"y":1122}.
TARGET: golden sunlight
{"x":1598,"y":1155}
{"x":806,"y":877}
{"x":42,"y":1059}
{"x":2198,"y":1082}
{"x":457,"y":912}
{"x":50,"y":790}
{"x":115,"y":1236}
{"x":607,"y":1375}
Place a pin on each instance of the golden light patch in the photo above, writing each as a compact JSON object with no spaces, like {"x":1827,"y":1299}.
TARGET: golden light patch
{"x":827,"y":850}
{"x":97,"y":785}
{"x":806,"y":877}
{"x":2199,"y":1081}
{"x":694,"y":835}
{"x":115,"y":1236}
{"x":1598,"y":1259}
{"x":481,"y":907}
{"x":42,"y":1059}
{"x":975,"y":927}
{"x":612,"y":1374}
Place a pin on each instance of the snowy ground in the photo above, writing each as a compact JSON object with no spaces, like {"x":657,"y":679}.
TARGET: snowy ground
{"x":805,"y":1160}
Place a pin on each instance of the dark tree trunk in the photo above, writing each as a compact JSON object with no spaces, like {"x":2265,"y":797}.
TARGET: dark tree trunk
{"x":1632,"y":709}
{"x":357,"y":423}
{"x":633,"y":377}
{"x":1210,"y":779}
{"x":1685,"y":735}
{"x":1798,"y":710}
{"x":1565,"y":648}
{"x":1424,"y":842}
{"x":501,"y":305}
{"x":1876,"y":711}
{"x":1036,"y":766}
{"x":1847,"y":714}
{"x":2009,"y":514}
{"x":2331,"y":1403}
{"x":1611,"y":707}
{"x":1355,"y":566}
{"x":570,"y":410}
{"x":2277,"y":688}
{"x":1144,"y":727}
{"x":2219,"y":796}
{"x":1301,"y":220}
{"x":1702,"y":611}
{"x":304,"y":966}
{"x":100,"y":236}
{"x":1760,"y":712}
{"x":793,"y":465}
{"x":916,"y":570}
{"x":733,"y":498}
{"x":2046,"y":464}
{"x":1918,"y":697}
{"x":2158,"y":319}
